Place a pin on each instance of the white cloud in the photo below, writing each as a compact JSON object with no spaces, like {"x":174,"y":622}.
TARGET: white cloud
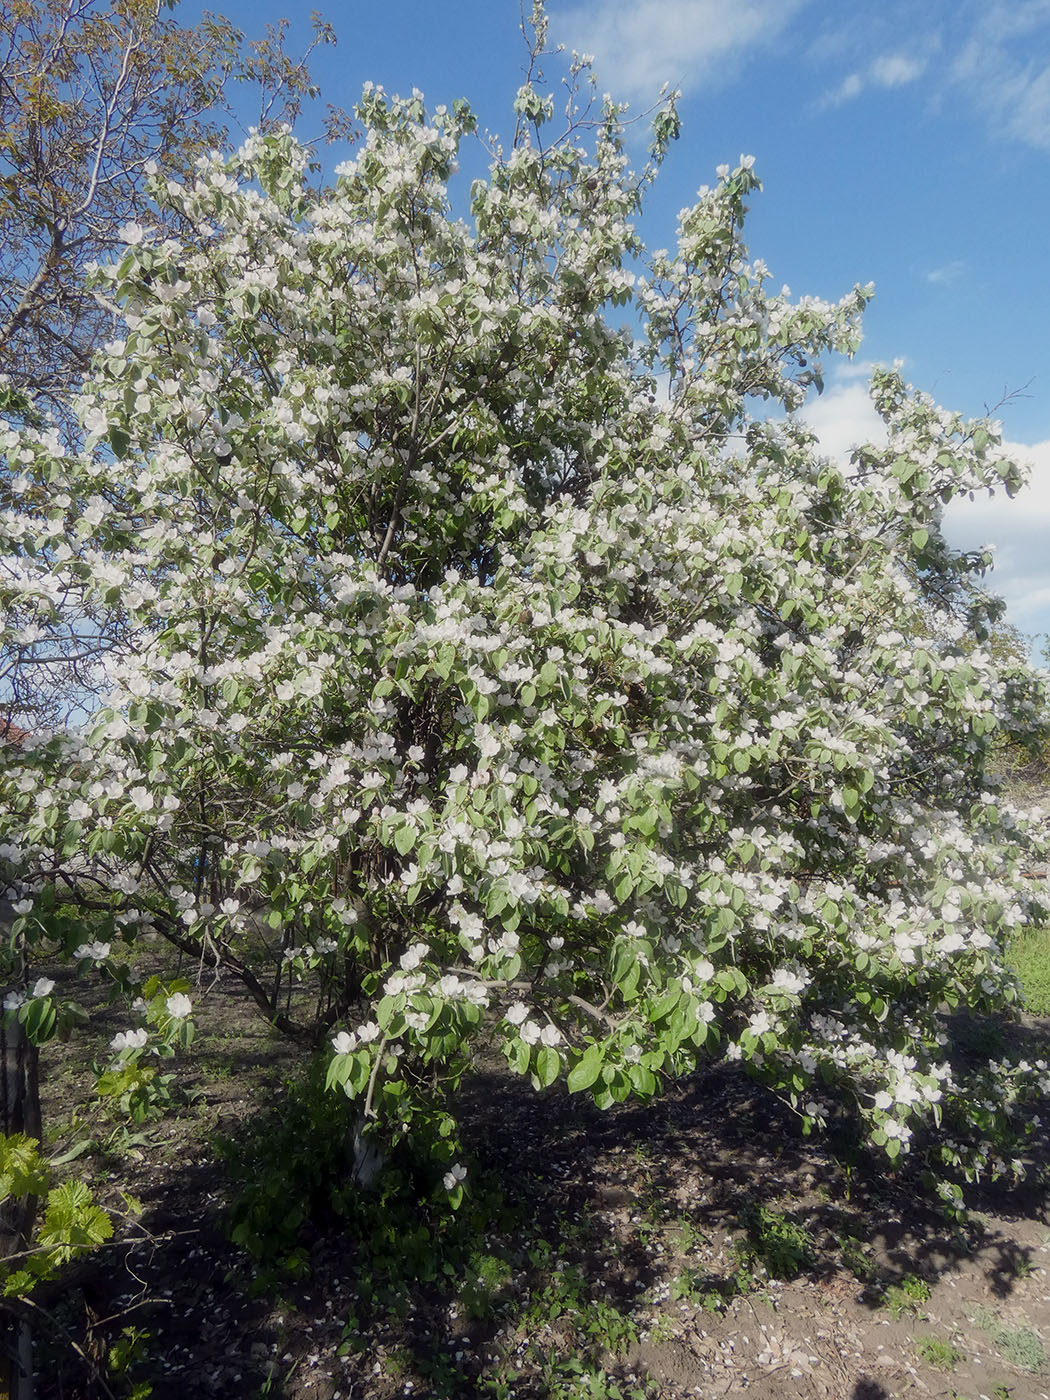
{"x":891,"y":70}
{"x":639,"y":45}
{"x":995,"y":69}
{"x":844,"y":416}
{"x":947,"y":273}
{"x":896,"y":69}
{"x":1017,"y":530}
{"x":847,"y":90}
{"x":992,"y":55}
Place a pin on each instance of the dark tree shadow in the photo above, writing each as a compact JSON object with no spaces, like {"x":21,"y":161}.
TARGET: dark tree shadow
{"x":866,"y":1389}
{"x":713,"y":1154}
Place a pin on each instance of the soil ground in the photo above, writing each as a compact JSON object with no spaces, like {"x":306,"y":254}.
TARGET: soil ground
{"x":618,"y":1264}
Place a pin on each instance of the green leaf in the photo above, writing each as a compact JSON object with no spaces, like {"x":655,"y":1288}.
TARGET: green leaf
{"x":39,"y":1017}
{"x":119,"y":440}
{"x":338,"y":1071}
{"x":548,"y":1065}
{"x":78,"y":1149}
{"x":665,"y":1004}
{"x":22,"y":1172}
{"x":643,"y":1079}
{"x":586,"y":1070}
{"x":624,"y":887}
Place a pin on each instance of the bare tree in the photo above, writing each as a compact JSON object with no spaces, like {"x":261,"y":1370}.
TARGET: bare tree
{"x":91,"y":92}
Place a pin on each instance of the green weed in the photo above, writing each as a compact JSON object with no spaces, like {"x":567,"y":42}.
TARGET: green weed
{"x":578,"y":1379}
{"x":565,"y":1296}
{"x":711,"y":1294}
{"x":486,"y":1279}
{"x":129,"y":1352}
{"x":856,"y":1259}
{"x":684,"y":1236}
{"x":662,"y":1330}
{"x":907,"y":1297}
{"x":287,"y":1167}
{"x":779,"y":1243}
{"x":937,"y":1353}
{"x":141,"y":1094}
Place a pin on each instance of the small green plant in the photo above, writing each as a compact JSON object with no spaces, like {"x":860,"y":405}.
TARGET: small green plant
{"x":607,"y":1326}
{"x":847,"y":1162}
{"x":576,"y":1378}
{"x":782,"y":1246}
{"x":685,"y":1236}
{"x":487,"y":1277}
{"x":1019,"y":1345}
{"x":565,"y":1295}
{"x":70,"y":1224}
{"x":398,"y":1363}
{"x":857,"y":1259}
{"x":710,"y":1294}
{"x":907,"y":1297}
{"x":286,"y":1167}
{"x":662,"y":1330}
{"x":937,"y":1353}
{"x":141,"y":1093}
{"x":216,"y":1070}
{"x":273,"y":1377}
{"x":353,"y":1341}
{"x":442,"y":1374}
{"x":129,"y":1351}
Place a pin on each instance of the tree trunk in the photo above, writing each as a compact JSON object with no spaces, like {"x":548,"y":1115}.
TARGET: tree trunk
{"x":19,"y":1113}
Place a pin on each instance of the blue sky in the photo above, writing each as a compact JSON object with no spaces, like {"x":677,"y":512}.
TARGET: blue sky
{"x":903,"y":143}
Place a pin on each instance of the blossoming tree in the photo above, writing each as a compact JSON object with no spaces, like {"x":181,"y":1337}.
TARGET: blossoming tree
{"x":481,"y":685}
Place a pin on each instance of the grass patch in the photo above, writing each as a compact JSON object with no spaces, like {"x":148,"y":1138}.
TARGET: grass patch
{"x":937,"y":1353}
{"x":1030,"y":959}
{"x":1019,"y":1345}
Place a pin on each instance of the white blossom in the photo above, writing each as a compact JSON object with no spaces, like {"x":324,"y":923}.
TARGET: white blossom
{"x":95,"y":952}
{"x":129,"y":1040}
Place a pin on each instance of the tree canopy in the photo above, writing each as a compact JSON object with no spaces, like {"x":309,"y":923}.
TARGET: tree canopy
{"x":466,"y":683}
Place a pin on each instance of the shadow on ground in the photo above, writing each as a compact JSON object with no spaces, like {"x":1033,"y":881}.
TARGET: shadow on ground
{"x":646,"y":1239}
